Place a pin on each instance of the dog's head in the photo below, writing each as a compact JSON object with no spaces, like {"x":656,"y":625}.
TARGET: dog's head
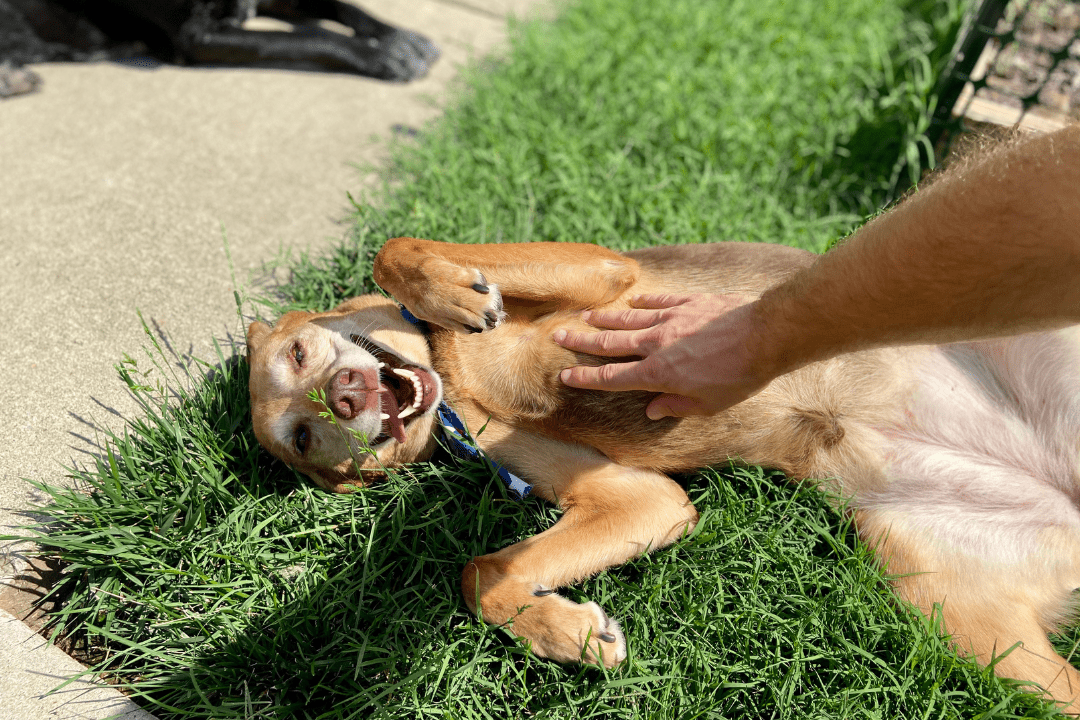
{"x":370,"y":369}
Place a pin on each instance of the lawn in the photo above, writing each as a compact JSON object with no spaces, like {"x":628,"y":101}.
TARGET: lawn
{"x":218,"y":583}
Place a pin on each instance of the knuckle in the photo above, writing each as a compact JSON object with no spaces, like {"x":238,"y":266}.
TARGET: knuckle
{"x":578,"y":341}
{"x":665,"y":336}
{"x":606,"y":372}
{"x":605,"y":341}
{"x":589,"y":376}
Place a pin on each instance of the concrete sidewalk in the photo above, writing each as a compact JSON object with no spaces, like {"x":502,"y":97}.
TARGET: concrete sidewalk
{"x":118,"y":186}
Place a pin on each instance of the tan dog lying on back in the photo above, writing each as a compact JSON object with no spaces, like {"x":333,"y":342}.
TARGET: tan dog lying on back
{"x":960,"y":461}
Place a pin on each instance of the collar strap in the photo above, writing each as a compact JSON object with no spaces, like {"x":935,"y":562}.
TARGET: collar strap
{"x":462,"y":445}
{"x":410,"y":317}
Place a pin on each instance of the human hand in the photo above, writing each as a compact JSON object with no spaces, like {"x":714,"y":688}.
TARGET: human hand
{"x":696,"y":350}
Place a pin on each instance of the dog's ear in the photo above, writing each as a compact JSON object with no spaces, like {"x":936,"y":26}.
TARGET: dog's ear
{"x":256,"y":334}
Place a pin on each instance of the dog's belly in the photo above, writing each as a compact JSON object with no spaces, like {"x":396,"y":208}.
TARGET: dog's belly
{"x":1013,"y":403}
{"x":985,"y":458}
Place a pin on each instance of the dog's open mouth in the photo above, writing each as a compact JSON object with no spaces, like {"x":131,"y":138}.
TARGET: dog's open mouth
{"x":406,"y":391}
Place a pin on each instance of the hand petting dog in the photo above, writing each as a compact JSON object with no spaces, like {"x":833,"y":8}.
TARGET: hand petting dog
{"x":672,"y":333}
{"x":991,"y":249}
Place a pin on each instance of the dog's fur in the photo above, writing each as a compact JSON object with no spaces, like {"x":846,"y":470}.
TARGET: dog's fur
{"x":959,"y":462}
{"x":204,"y":32}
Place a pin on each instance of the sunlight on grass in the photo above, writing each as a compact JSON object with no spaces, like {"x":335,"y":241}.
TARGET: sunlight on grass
{"x":224,"y":585}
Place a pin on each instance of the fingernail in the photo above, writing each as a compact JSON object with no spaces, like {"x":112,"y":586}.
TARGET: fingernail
{"x":654,"y":414}
{"x":559,"y":335}
{"x":565,"y":375}
{"x":586,"y":315}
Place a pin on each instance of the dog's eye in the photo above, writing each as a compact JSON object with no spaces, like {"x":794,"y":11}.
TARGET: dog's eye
{"x":298,"y":354}
{"x":301,"y":439}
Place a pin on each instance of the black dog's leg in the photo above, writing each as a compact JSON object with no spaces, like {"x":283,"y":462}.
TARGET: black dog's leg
{"x":410,"y":51}
{"x":235,"y":46}
{"x":330,"y":51}
{"x":305,"y":10}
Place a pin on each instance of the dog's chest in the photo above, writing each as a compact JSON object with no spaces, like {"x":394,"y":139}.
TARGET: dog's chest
{"x":512,"y":372}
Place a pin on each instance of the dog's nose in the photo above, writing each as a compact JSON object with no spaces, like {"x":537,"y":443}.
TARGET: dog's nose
{"x":351,"y":391}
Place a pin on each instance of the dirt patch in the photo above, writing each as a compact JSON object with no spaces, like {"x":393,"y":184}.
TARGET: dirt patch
{"x":27,"y":597}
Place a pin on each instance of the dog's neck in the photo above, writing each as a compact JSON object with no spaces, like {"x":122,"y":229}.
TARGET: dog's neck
{"x":458,"y":439}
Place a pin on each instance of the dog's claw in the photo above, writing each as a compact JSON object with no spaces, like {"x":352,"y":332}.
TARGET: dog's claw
{"x":492,"y":319}
{"x":482,"y":289}
{"x":606,"y":637}
{"x":542,"y":592}
{"x":472,"y":329}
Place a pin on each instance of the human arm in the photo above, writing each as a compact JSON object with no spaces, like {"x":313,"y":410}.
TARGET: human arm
{"x":991,"y":248}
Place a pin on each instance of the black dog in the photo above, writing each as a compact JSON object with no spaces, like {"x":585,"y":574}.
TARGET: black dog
{"x":204,"y":32}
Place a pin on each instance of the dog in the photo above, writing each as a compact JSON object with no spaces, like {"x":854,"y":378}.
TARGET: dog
{"x":958,"y":463}
{"x":204,"y":32}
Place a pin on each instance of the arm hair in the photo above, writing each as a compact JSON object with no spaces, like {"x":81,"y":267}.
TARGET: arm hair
{"x":990,"y":248}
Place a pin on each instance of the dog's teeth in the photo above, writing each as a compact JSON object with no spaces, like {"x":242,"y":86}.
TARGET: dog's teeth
{"x":404,"y":373}
{"x":416,"y":401}
{"x":384,"y":416}
{"x":407,"y":412}
{"x":382,"y":365}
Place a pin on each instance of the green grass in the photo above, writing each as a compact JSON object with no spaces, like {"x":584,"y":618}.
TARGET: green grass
{"x":223,"y":585}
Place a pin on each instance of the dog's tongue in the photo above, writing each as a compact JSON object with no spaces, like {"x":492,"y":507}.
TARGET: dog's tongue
{"x":397,"y":425}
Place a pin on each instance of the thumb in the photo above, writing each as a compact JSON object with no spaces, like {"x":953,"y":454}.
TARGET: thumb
{"x":668,"y":405}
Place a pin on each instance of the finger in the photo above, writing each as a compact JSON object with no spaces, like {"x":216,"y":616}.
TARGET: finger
{"x":622,"y":319}
{"x":606,"y":343}
{"x":614,"y":376}
{"x":659,"y":301}
{"x":673,"y":406}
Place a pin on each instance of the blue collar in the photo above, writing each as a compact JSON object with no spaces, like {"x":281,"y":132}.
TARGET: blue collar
{"x":462,"y":445}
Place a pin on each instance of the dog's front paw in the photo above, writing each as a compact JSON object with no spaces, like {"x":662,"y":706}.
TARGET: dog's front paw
{"x":567,"y":631}
{"x":456,"y":298}
{"x":400,"y":56}
{"x":412,"y":54}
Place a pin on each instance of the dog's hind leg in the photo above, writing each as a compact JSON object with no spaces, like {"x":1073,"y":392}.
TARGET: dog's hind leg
{"x":979,"y":512}
{"x":611,"y":514}
{"x":996,"y":608}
